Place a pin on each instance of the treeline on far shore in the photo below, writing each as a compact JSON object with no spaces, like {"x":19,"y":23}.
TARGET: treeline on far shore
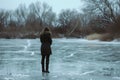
{"x":98,"y":20}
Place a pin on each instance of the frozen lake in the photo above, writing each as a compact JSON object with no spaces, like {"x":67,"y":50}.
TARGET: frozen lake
{"x":72,"y":59}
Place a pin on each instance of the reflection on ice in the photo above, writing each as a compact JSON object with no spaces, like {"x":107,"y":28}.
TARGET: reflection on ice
{"x":45,"y":76}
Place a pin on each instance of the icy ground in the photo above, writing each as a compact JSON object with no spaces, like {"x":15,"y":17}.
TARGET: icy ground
{"x":72,"y":59}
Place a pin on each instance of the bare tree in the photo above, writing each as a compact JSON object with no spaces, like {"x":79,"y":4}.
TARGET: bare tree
{"x":108,"y":9}
{"x":12,"y":22}
{"x":104,"y":13}
{"x":3,"y":19}
{"x":41,"y":14}
{"x":69,"y":20}
{"x":21,"y":14}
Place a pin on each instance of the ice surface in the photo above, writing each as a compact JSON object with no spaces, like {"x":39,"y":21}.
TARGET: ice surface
{"x":71,"y":59}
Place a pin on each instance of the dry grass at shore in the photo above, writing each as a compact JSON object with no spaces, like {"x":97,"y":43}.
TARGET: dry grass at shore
{"x":102,"y":37}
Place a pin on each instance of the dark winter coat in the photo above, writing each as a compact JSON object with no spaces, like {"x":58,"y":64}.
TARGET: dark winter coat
{"x":46,"y":42}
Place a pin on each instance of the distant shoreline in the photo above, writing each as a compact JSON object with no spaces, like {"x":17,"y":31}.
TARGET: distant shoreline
{"x":95,"y":36}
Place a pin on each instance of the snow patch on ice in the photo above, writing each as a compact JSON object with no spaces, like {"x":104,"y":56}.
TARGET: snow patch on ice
{"x":18,"y":59}
{"x":85,"y":73}
{"x":70,"y":55}
{"x":33,"y":53}
{"x":118,"y":78}
{"x":117,"y":62}
{"x":87,"y":41}
{"x":28,"y":45}
{"x":8,"y":78}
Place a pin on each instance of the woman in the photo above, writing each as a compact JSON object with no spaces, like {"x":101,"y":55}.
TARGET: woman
{"x":46,"y":41}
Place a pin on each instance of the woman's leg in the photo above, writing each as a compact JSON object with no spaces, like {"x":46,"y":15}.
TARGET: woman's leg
{"x":42,"y":62}
{"x":47,"y":63}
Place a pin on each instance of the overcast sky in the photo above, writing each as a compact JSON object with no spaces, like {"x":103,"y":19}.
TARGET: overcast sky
{"x":57,"y":5}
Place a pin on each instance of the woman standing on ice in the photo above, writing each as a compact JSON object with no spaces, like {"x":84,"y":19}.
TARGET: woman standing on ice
{"x":46,"y":41}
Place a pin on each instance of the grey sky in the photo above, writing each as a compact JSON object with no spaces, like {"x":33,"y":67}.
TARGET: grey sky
{"x":57,"y":5}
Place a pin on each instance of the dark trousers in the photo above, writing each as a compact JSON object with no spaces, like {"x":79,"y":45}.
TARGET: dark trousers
{"x":45,"y":57}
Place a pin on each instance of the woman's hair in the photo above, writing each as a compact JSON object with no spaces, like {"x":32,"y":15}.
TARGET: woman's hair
{"x":45,"y":30}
